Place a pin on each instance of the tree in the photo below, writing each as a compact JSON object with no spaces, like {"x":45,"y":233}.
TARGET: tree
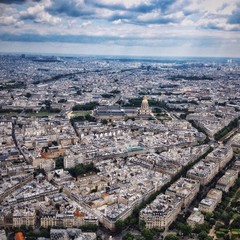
{"x":218,"y":225}
{"x":204,"y":236}
{"x":79,"y":92}
{"x":63,"y":100}
{"x":28,"y":95}
{"x":227,"y":237}
{"x":185,"y":229}
{"x":82,"y":169}
{"x":90,"y":118}
{"x":148,"y":233}
{"x":200,"y":227}
{"x":120,"y":225}
{"x":104,"y":121}
{"x":115,"y":91}
{"x":217,"y":214}
{"x":85,"y":107}
{"x":133,"y":221}
{"x":208,"y":216}
{"x":128,"y":236}
{"x":226,"y":217}
{"x":38,"y":171}
{"x":236,"y":222}
{"x":59,"y":163}
{"x":142,"y":224}
{"x":171,"y":237}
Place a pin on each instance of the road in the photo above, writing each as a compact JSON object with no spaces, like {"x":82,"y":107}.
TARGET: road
{"x":16,"y":142}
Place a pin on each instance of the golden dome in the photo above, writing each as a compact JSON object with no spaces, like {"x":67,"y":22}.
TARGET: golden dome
{"x":145,"y":99}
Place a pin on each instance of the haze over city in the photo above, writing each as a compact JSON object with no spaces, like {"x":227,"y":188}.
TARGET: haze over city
{"x":121,"y":27}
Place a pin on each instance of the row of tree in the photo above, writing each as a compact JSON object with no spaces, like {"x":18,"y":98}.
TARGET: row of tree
{"x":85,"y":107}
{"x":82,"y":118}
{"x":233,"y":124}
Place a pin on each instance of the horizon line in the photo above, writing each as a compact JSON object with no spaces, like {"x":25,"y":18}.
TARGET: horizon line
{"x":107,"y":55}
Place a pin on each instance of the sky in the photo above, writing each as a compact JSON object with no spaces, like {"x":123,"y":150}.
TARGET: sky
{"x":198,"y":28}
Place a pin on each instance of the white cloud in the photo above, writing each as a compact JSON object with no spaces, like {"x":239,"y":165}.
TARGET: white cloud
{"x":86,"y":23}
{"x":39,"y":14}
{"x":7,"y":20}
{"x":149,"y":16}
{"x":119,"y":21}
{"x":126,"y":3}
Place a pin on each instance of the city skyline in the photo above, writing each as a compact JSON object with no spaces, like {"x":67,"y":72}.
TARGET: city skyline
{"x":134,"y":28}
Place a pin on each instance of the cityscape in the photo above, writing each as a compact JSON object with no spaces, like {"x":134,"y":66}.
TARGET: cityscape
{"x":110,"y":130}
{"x":120,"y":148}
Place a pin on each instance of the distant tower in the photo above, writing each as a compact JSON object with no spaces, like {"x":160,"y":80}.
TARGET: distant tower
{"x":145,"y":109}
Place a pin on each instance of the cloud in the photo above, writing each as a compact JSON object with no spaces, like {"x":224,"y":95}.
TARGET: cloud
{"x":38,"y":14}
{"x":52,"y":38}
{"x":84,"y":39}
{"x":12,"y":1}
{"x":135,"y":7}
{"x":120,"y":22}
{"x":114,"y":10}
{"x":106,"y":39}
{"x":126,"y":5}
{"x":121,"y":16}
{"x":159,"y":18}
{"x":61,"y":38}
{"x":71,"y":8}
{"x":16,"y":1}
{"x":234,"y":18}
{"x":86,"y":24}
{"x":7,"y":20}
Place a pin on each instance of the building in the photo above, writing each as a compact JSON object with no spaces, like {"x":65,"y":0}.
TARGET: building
{"x":71,"y":234}
{"x":215,"y":194}
{"x":66,"y":219}
{"x":52,"y":152}
{"x":195,"y":218}
{"x":145,"y":109}
{"x":220,"y":156}
{"x":184,"y":188}
{"x":236,"y":166}
{"x":227,"y":180}
{"x":59,"y":234}
{"x":24,"y":216}
{"x":116,"y":112}
{"x":207,"y":205}
{"x":203,"y":172}
{"x":161,"y":212}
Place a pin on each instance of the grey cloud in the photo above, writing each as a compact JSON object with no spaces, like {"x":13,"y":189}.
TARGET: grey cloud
{"x":162,"y":5}
{"x":12,"y":1}
{"x":89,"y":9}
{"x":235,"y":17}
{"x":70,"y":8}
{"x":16,"y":1}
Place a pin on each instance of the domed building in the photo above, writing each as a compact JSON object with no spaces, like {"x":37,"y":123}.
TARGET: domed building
{"x":116,"y":112}
{"x":145,"y":109}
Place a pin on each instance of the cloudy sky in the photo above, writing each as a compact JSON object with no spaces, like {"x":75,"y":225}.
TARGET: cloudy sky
{"x":121,"y":27}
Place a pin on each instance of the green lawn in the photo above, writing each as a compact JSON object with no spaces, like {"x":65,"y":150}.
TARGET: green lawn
{"x":79,"y":113}
{"x":39,"y":114}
